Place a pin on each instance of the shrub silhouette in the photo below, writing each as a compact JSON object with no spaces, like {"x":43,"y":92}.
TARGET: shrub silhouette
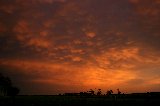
{"x":99,"y":92}
{"x":92,"y":92}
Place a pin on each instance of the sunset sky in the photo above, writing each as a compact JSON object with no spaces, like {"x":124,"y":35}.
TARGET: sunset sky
{"x":57,"y":46}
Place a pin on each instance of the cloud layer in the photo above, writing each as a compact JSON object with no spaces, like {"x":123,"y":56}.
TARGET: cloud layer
{"x":73,"y":45}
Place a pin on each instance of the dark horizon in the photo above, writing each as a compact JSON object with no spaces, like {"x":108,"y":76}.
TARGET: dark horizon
{"x":63,"y":94}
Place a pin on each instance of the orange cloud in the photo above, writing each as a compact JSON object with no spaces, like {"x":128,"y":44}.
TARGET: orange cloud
{"x":44,"y":33}
{"x":26,"y":35}
{"x":79,"y":42}
{"x":90,"y":75}
{"x":2,"y":28}
{"x":90,"y":34}
{"x":116,"y":57}
{"x":34,"y":2}
{"x":78,"y":51}
{"x":22,"y":27}
{"x":38,"y":42}
{"x":134,"y":1}
{"x":69,"y":8}
{"x":49,"y":1}
{"x":9,"y":8}
{"x":47,"y":72}
{"x":148,"y":9}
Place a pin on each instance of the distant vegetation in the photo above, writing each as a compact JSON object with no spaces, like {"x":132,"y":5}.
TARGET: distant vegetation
{"x":92,"y":92}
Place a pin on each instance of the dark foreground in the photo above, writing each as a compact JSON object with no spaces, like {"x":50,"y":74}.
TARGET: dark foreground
{"x":55,"y":100}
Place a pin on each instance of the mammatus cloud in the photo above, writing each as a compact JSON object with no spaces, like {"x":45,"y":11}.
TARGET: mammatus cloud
{"x":106,"y":44}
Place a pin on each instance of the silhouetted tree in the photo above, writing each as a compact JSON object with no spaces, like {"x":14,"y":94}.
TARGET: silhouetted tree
{"x":119,"y":92}
{"x":6,"y":87}
{"x":5,"y":83}
{"x":109,"y":92}
{"x":13,"y":91}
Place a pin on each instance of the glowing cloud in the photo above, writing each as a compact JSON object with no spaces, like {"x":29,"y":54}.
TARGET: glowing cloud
{"x":73,"y":45}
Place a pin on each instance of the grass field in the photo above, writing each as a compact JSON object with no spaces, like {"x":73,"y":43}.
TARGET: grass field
{"x":55,"y":100}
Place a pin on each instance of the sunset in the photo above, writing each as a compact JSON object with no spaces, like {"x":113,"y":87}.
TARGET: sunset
{"x":57,"y":46}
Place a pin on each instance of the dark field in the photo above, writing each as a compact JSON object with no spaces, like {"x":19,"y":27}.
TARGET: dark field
{"x":55,"y":100}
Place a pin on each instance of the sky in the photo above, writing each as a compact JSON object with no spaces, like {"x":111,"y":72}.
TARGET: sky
{"x":58,"y":46}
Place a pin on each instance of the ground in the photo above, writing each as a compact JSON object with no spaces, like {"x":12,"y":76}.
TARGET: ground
{"x":57,"y":100}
